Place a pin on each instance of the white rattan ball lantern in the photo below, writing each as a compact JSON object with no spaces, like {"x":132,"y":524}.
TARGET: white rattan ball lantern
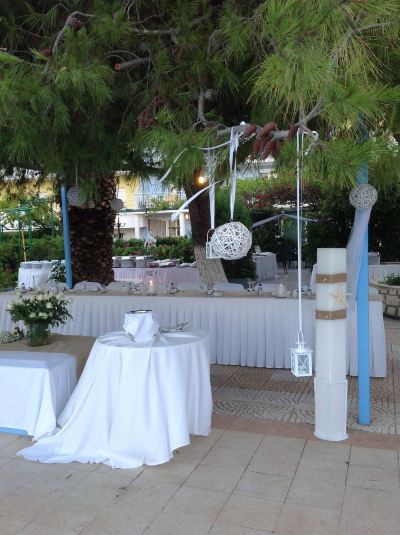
{"x":75,"y":196}
{"x":363,"y":196}
{"x":116,"y":204}
{"x":231,"y":241}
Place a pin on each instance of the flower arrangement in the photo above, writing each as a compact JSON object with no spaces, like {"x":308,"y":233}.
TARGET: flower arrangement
{"x":39,"y":313}
{"x":7,"y":337}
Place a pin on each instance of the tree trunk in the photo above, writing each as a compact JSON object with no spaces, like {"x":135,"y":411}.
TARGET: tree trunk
{"x":211,"y":271}
{"x":92,"y":233}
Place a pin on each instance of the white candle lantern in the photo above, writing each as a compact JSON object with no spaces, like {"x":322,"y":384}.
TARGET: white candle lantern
{"x":301,"y":360}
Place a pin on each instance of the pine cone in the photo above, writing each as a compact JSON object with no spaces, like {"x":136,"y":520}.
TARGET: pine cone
{"x":276,"y":149}
{"x":249,"y":130}
{"x":267,"y":129}
{"x":46,"y":52}
{"x":268,"y":148}
{"x":292,"y":132}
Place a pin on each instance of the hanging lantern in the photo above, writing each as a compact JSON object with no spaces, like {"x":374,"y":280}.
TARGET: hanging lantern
{"x":75,"y":196}
{"x":301,"y":360}
{"x":363,"y":196}
{"x":209,"y":248}
{"x":116,"y":204}
{"x":231,"y":241}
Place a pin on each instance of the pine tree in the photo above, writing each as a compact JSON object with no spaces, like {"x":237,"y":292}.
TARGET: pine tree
{"x":98,"y":86}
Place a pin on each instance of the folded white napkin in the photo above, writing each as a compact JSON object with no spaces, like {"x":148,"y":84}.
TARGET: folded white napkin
{"x":140,"y":325}
{"x":87,"y":286}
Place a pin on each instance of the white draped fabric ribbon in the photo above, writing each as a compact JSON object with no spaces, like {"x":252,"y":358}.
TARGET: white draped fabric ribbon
{"x":355,"y":251}
{"x":234,"y":144}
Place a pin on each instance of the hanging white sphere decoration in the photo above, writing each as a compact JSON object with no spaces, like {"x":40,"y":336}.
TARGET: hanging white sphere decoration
{"x":116,"y":204}
{"x":231,"y":241}
{"x":363,"y":196}
{"x":75,"y":196}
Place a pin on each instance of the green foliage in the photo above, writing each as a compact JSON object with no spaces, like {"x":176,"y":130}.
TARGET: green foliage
{"x":169,"y":247}
{"x":58,"y":273}
{"x":8,"y":279}
{"x":392,"y":280}
{"x":48,"y":309}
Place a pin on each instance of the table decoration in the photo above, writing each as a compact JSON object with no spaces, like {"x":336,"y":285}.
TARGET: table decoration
{"x":8,"y":337}
{"x":140,"y":325}
{"x":38,"y":314}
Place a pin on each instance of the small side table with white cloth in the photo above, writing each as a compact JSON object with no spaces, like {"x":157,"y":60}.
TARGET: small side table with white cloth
{"x":33,"y":278}
{"x":135,"y":403}
{"x":34,"y":388}
{"x":266,"y":266}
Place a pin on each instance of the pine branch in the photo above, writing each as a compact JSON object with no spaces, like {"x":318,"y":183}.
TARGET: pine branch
{"x":129,"y":64}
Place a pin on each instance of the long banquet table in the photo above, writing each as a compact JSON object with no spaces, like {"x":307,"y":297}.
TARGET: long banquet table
{"x":246,"y":330}
{"x":162,"y":275}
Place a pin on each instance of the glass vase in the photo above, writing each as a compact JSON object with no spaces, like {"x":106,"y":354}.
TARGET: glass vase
{"x":38,"y":334}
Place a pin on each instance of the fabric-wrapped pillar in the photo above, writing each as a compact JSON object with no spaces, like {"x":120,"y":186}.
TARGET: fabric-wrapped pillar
{"x":330,"y":383}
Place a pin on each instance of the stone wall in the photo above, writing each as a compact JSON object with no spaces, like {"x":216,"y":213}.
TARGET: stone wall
{"x":390,"y":297}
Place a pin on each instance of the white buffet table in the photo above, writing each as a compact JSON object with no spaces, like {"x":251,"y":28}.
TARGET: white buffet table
{"x":244,"y":330}
{"x":34,"y":388}
{"x":135,"y":403}
{"x":266,"y":266}
{"x":32,"y":278}
{"x":161,"y":275}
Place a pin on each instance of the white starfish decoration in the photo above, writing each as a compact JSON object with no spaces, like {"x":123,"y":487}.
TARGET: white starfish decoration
{"x":340,"y":296}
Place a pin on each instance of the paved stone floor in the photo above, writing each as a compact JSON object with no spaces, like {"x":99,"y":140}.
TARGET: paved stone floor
{"x":261,"y":471}
{"x":249,"y":477}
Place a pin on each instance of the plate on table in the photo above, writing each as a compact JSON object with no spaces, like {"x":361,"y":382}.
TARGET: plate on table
{"x":178,"y":328}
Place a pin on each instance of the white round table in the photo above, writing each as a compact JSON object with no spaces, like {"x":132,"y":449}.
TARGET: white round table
{"x":32,"y":278}
{"x":134,"y":403}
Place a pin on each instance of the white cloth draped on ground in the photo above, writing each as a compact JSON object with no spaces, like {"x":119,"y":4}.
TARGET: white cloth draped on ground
{"x":32,"y":278}
{"x":135,"y":403}
{"x":379,"y":272}
{"x":266,"y":266}
{"x":245,"y":330}
{"x":166,"y":275}
{"x":34,"y":388}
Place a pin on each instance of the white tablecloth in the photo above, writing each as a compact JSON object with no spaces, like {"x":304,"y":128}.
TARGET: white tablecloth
{"x":266,"y":266}
{"x":167,"y":275}
{"x":34,"y":389}
{"x":244,"y":330}
{"x":134,"y":404}
{"x":32,"y":278}
{"x":379,"y":272}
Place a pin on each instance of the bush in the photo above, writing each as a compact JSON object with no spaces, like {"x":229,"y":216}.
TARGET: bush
{"x":172,"y":247}
{"x":392,"y":280}
{"x":8,"y":279}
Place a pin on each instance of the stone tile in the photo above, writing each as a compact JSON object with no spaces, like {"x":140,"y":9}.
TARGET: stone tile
{"x":368,"y":477}
{"x":221,"y":528}
{"x":240,"y":440}
{"x":214,"y":478}
{"x":266,"y":486}
{"x":178,"y":524}
{"x":249,"y":512}
{"x":11,"y":526}
{"x":6,"y":438}
{"x":313,"y":493}
{"x":289,"y":446}
{"x":23,"y":504}
{"x":145,"y":494}
{"x":192,"y":454}
{"x":379,"y":458}
{"x":359,"y":524}
{"x":101,"y":488}
{"x":373,"y":440}
{"x":372,"y":503}
{"x":13,"y":446}
{"x":172,"y":472}
{"x":274,"y":463}
{"x":301,"y":520}
{"x":67,"y":512}
{"x":197,"y":502}
{"x":227,"y":457}
{"x":332,"y":473}
{"x":326,"y":451}
{"x":121,"y":521}
{"x":223,"y":421}
{"x":18,"y":473}
{"x":34,"y":529}
{"x":55,"y":477}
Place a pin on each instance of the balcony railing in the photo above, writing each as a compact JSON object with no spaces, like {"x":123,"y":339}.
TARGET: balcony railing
{"x":141,"y":201}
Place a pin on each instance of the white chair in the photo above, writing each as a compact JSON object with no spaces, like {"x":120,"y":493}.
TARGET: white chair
{"x":228,"y":287}
{"x":87,"y":286}
{"x":189,"y":286}
{"x":116,"y":285}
